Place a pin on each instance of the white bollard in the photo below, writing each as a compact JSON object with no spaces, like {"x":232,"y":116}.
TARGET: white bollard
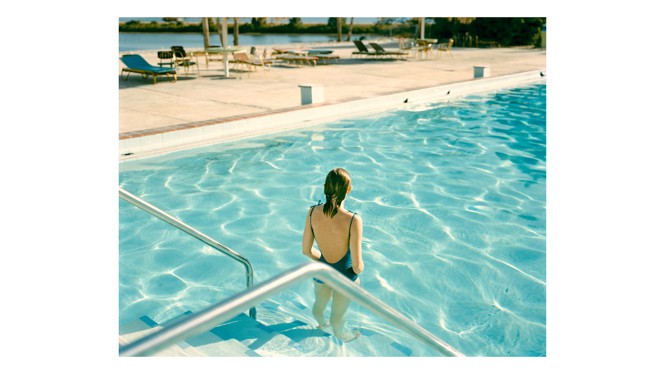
{"x":481,"y":71}
{"x":311,"y":94}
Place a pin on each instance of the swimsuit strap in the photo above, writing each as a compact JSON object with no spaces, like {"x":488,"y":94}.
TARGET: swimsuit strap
{"x":351,"y":223}
{"x":311,"y":210}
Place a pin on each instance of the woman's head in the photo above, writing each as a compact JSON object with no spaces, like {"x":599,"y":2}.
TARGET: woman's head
{"x":338,"y":184}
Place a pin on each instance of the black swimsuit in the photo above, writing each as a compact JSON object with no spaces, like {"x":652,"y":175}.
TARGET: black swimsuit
{"x":345,"y":264}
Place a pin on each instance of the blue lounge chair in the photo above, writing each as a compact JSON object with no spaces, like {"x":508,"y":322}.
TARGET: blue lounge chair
{"x":137,"y":64}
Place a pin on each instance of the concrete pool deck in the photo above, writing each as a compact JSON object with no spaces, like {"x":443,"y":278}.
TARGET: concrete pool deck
{"x":208,"y":107}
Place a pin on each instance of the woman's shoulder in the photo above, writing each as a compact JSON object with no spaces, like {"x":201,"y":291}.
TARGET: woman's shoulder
{"x":355,"y":216}
{"x":314,"y":207}
{"x":352,"y":215}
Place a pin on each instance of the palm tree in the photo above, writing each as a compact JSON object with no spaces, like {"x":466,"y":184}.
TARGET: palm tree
{"x":339,"y":29}
{"x":223,"y":31}
{"x":206,"y":32}
{"x":236,"y":32}
{"x":348,"y":37}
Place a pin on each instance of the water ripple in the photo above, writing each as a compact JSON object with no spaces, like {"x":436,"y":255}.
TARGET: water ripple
{"x":452,"y":197}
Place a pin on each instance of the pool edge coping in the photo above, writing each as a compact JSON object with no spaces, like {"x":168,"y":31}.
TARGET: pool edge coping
{"x":155,"y":142}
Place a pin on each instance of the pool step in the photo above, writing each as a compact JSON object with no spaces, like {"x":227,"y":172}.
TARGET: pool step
{"x":256,"y":337}
{"x":144,"y":326}
{"x":207,"y":344}
{"x":370,"y":341}
{"x":282,"y":329}
{"x":240,"y":336}
{"x":322,"y":343}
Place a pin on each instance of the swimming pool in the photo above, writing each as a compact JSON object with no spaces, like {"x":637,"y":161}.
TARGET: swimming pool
{"x":452,"y":196}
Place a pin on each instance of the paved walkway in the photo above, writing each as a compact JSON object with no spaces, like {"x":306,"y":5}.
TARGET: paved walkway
{"x":208,"y":96}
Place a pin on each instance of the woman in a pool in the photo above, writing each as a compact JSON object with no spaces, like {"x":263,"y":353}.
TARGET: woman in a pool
{"x":338,"y":234}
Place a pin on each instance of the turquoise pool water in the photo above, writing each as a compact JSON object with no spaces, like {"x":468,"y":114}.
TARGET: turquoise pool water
{"x":452,"y":195}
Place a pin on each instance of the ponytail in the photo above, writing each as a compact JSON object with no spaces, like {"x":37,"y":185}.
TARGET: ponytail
{"x":335,"y":188}
{"x":331,"y":206}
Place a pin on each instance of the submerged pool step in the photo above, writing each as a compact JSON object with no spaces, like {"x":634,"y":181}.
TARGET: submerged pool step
{"x":240,"y":336}
{"x":212,"y":345}
{"x":369,"y":343}
{"x":144,"y":326}
{"x":257,"y":337}
{"x":282,"y":330}
{"x":293,"y":319}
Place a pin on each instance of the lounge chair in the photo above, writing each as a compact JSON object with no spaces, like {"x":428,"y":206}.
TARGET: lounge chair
{"x":251,"y":61}
{"x":382,"y":52}
{"x":278,"y":51}
{"x":298,"y":59}
{"x":183,"y":59}
{"x":137,"y":64}
{"x":263,"y":59}
{"x":322,"y":55}
{"x":292,"y":56}
{"x":362,"y":49}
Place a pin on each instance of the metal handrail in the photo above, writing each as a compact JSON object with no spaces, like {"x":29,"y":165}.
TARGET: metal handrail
{"x":212,"y":316}
{"x":249,"y":271}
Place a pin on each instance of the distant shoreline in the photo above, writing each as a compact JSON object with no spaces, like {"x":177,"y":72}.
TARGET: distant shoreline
{"x":153,"y":26}
{"x":281,"y":20}
{"x":193,"y":41}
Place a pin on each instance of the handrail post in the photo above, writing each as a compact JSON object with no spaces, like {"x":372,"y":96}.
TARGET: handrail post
{"x":250,"y":284}
{"x":153,"y":210}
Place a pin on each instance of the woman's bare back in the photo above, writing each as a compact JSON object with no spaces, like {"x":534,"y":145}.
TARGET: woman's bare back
{"x":332,"y":234}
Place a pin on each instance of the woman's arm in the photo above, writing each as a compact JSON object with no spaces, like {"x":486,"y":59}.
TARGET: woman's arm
{"x":356,"y":245}
{"x":308,"y":241}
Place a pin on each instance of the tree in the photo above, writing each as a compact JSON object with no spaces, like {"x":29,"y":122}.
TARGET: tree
{"x":508,"y":31}
{"x":339,"y":29}
{"x":502,"y":30}
{"x":258,"y":22}
{"x":223,"y":31}
{"x":295,"y":22}
{"x":334,"y":21}
{"x":386,"y":21}
{"x":236,"y":32}
{"x":206,"y":32}
{"x":348,"y":37}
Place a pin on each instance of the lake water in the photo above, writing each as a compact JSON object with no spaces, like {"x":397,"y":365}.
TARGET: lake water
{"x":159,"y":41}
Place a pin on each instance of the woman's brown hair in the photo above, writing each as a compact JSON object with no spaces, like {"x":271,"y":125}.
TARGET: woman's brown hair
{"x":337,"y":183}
